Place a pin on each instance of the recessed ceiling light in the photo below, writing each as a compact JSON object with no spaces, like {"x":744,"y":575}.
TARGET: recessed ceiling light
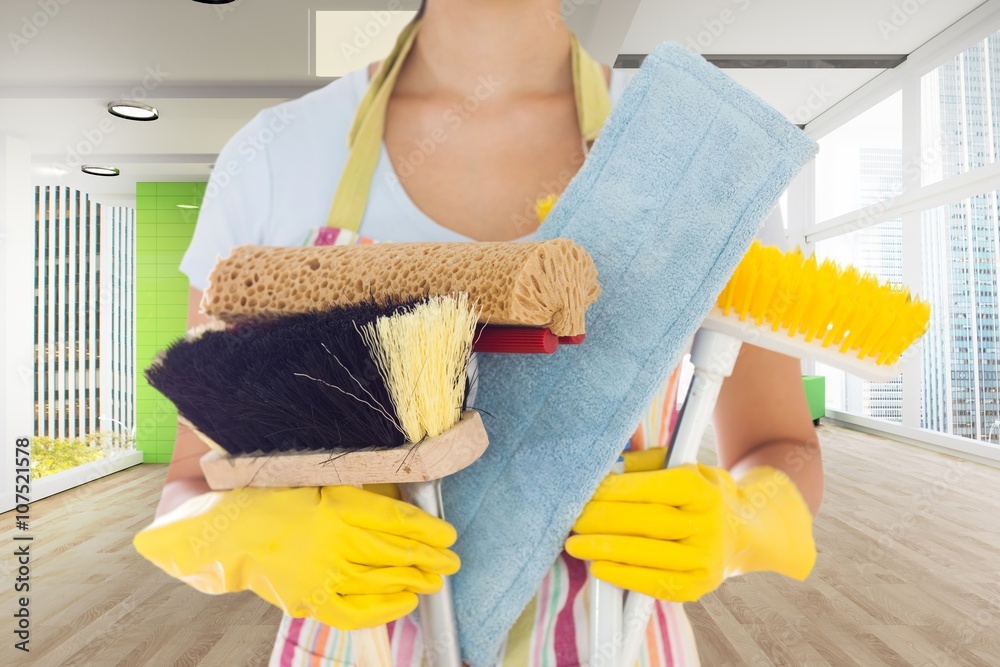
{"x":96,"y":170}
{"x":186,"y":206}
{"x":133,"y":111}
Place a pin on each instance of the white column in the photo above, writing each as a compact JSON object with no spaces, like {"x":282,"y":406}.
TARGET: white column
{"x":801,"y":218}
{"x":117,"y":372}
{"x":80,"y":322}
{"x":611,"y":24}
{"x":17,"y":240}
{"x":47,"y":320}
{"x":912,"y":381}
{"x":93,"y":303}
{"x":107,"y":304}
{"x":802,"y":206}
{"x":130,"y":278}
{"x":69,"y":294}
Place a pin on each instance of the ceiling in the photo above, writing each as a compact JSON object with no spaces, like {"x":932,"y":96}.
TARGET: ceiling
{"x":209,"y":69}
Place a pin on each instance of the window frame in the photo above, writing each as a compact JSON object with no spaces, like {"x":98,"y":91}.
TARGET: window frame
{"x":909,"y":206}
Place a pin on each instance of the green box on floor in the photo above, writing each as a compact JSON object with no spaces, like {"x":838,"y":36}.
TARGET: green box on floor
{"x":815,"y":386}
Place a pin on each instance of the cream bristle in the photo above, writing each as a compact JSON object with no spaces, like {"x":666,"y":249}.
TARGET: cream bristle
{"x":827,"y":304}
{"x":423,"y":356}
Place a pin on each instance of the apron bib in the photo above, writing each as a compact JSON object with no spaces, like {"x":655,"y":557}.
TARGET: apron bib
{"x":350,"y":201}
{"x":364,"y":140}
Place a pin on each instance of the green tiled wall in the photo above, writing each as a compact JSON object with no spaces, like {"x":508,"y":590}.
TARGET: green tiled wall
{"x":163,"y":232}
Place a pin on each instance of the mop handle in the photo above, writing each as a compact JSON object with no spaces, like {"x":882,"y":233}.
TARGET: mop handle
{"x":605,"y":613}
{"x":437,"y":611}
{"x":372,"y":647}
{"x":713,"y":355}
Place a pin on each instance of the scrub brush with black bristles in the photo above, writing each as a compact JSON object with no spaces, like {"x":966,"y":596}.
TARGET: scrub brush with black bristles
{"x":356,"y":379}
{"x":364,"y":394}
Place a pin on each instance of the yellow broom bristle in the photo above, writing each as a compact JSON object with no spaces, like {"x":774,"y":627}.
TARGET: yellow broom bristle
{"x":827,"y":304}
{"x":423,"y":356}
{"x":544,"y":205}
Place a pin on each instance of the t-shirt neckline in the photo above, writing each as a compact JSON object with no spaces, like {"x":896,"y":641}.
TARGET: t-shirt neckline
{"x":395,"y":185}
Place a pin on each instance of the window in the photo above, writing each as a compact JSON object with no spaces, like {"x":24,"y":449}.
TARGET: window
{"x":861,"y":163}
{"x":959,"y":103}
{"x":943,"y":242}
{"x":877,"y":250}
{"x":960,"y":365}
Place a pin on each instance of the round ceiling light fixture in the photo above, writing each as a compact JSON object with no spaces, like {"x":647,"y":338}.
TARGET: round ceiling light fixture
{"x":98,"y":170}
{"x":133,"y":110}
{"x":215,"y":2}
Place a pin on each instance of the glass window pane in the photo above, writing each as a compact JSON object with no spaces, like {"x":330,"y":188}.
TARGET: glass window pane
{"x":877,"y":250}
{"x":959,"y":103}
{"x":960,"y":386}
{"x":861,"y":163}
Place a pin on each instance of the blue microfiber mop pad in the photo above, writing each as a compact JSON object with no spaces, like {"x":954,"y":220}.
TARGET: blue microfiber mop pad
{"x":667,"y":203}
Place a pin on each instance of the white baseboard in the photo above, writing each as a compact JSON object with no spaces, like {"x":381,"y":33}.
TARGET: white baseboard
{"x":963,"y":448}
{"x":88,"y":472}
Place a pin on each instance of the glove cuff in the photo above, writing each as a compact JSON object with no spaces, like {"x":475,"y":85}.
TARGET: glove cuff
{"x":773,"y":525}
{"x":191,"y":542}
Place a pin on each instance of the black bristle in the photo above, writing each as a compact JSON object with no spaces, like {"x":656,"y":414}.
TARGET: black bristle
{"x":250,"y":390}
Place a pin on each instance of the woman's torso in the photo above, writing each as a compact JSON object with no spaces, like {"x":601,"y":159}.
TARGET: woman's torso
{"x":552,"y":629}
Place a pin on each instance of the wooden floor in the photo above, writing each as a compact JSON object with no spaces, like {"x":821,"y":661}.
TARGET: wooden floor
{"x":908,"y":574}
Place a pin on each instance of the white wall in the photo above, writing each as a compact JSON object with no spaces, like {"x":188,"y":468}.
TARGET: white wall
{"x":17,"y":228}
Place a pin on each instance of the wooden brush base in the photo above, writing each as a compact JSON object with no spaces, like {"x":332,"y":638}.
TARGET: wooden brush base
{"x":432,"y":458}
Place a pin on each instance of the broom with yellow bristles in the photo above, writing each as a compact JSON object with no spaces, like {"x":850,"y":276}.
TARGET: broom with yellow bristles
{"x":801,"y":307}
{"x":793,"y":305}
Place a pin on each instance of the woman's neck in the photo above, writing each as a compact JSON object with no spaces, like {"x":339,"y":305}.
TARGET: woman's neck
{"x":521,"y":47}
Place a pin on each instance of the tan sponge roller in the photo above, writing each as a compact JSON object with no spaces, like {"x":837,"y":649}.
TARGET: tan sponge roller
{"x":544,"y":284}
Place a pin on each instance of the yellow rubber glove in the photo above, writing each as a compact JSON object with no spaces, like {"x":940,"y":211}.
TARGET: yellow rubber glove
{"x":677,"y":534}
{"x":348,"y":557}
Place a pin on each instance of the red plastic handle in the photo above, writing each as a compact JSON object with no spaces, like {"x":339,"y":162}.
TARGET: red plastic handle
{"x":520,"y":340}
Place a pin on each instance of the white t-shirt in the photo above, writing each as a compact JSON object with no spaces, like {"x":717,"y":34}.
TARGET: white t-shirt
{"x":275,"y":179}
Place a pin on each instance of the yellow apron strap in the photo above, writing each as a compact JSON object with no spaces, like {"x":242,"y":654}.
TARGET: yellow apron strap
{"x":593,"y":103}
{"x":364,"y":140}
